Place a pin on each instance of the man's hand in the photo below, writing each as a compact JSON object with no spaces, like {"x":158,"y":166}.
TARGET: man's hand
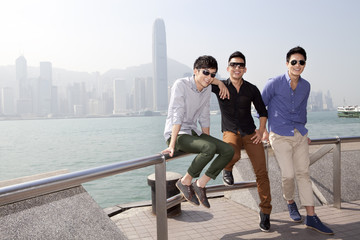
{"x":224,"y":91}
{"x":266,"y":136}
{"x":257,"y":138}
{"x":169,"y":150}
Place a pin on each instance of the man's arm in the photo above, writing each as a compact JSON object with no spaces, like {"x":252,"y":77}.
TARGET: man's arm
{"x":206,"y":130}
{"x":174,"y":133}
{"x":259,"y":133}
{"x":224,"y":92}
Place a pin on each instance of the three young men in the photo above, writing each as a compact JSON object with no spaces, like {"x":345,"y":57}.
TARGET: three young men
{"x":286,"y":98}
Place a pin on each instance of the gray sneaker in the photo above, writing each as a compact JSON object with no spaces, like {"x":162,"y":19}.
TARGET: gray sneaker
{"x":201,"y":195}
{"x":187,"y":192}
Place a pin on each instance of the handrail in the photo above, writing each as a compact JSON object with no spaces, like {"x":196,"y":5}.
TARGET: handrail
{"x":22,"y":191}
{"x":320,"y":141}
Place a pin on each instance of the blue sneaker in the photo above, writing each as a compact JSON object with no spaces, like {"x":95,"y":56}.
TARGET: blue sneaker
{"x":315,"y":223}
{"x":294,"y":212}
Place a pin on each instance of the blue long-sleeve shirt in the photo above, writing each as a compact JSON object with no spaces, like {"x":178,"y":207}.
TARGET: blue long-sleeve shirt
{"x":286,"y":107}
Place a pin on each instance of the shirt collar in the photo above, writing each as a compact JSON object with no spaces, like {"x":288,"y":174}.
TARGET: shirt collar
{"x":228,"y":82}
{"x":193,"y":84}
{"x":288,"y":77}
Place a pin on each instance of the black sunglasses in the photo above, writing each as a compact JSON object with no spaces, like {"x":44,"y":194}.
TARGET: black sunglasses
{"x":294,"y":62}
{"x":207,"y":73}
{"x":235,"y":64}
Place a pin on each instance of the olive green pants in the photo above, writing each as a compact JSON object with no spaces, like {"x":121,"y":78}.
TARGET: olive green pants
{"x":206,"y":146}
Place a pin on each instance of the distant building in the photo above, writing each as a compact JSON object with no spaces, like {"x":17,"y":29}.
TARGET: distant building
{"x":77,"y":99}
{"x":328,"y":101}
{"x":7,"y":101}
{"x":159,"y":54}
{"x":21,"y":77}
{"x":120,"y":96}
{"x":45,"y":89}
{"x":24,"y":96}
{"x":149,"y":93}
{"x":139,"y":94}
{"x":319,"y":102}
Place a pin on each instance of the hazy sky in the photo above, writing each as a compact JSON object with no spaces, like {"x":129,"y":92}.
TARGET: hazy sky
{"x":98,"y":35}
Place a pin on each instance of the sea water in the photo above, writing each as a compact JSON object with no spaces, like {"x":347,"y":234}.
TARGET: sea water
{"x":29,"y":147}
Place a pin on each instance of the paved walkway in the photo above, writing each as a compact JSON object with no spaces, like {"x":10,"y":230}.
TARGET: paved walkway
{"x":229,"y":220}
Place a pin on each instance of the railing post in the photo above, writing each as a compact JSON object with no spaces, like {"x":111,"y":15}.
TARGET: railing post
{"x":337,"y":174}
{"x":161,"y":211}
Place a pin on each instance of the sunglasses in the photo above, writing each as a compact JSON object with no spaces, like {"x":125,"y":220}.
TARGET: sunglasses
{"x":236,"y":64}
{"x":207,"y":73}
{"x":294,"y":62}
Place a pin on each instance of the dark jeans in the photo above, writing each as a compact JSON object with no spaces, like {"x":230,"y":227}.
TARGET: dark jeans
{"x":206,"y":146}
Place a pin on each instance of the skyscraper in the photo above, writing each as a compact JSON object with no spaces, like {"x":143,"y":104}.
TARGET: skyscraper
{"x":160,"y":66}
{"x":21,"y":77}
{"x":45,"y":88}
{"x":24,"y":97}
{"x":7,"y":101}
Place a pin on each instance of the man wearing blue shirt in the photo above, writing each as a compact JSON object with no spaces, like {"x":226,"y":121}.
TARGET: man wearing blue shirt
{"x":286,"y":97}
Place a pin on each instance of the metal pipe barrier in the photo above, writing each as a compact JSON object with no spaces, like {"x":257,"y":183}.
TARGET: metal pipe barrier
{"x":19,"y":192}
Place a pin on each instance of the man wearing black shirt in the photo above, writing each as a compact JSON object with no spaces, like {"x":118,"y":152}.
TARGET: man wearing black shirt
{"x":239,"y":130}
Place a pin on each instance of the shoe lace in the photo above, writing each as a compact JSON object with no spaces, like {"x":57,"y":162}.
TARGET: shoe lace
{"x":293,"y":208}
{"x":316,"y":219}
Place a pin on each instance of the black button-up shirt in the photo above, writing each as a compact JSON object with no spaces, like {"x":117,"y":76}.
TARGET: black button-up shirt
{"x":236,"y":111}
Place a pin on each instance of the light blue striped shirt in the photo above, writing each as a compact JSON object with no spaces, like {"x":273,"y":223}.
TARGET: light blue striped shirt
{"x":188,"y":107}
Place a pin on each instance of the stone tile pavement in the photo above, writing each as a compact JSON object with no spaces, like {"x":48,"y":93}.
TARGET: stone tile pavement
{"x":229,"y":220}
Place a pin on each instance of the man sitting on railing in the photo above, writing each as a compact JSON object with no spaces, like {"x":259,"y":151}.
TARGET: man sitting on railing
{"x":190,"y":104}
{"x":286,"y":98}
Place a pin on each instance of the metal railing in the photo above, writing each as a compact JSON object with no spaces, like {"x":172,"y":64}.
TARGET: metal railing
{"x":19,"y":192}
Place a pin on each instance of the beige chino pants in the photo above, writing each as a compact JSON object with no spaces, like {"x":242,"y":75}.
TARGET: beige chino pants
{"x":292,"y":154}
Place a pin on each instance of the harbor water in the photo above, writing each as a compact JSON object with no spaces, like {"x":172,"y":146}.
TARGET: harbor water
{"x":29,"y":147}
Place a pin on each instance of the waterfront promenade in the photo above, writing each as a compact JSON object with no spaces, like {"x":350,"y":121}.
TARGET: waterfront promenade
{"x":227,"y":219}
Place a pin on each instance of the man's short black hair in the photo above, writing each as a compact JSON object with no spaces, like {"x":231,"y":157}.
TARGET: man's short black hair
{"x":206,"y":62}
{"x":295,"y":50}
{"x":237,"y":54}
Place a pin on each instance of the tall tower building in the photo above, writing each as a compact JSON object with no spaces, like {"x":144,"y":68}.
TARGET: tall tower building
{"x":160,"y":87}
{"x":21,"y":77}
{"x":24,"y":96}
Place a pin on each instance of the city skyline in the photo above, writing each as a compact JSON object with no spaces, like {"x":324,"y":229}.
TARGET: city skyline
{"x":98,"y":36}
{"x":38,"y":97}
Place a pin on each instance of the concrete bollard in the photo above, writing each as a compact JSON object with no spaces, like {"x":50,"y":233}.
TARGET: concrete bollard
{"x":171,"y":190}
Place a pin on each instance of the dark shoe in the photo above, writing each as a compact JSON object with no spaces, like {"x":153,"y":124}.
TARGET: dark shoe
{"x":264,"y":222}
{"x":187,"y":192}
{"x":315,"y":223}
{"x":294,"y":212}
{"x":201,"y":194}
{"x":228,"y":178}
